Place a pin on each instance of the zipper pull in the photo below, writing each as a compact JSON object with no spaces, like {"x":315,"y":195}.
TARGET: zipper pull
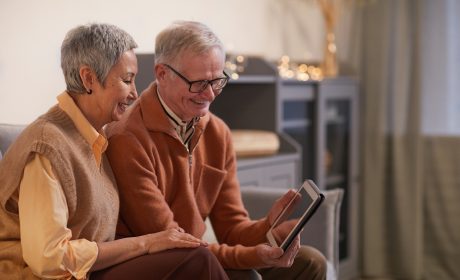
{"x":190,"y":161}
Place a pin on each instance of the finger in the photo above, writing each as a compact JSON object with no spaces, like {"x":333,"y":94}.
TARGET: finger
{"x":295,"y":245}
{"x":275,"y":253}
{"x":269,"y":255}
{"x":288,"y":196}
{"x":186,"y":244}
{"x":291,"y":252}
{"x":170,"y":243}
{"x":279,"y":205}
{"x":184,"y":237}
{"x":189,"y":237}
{"x":192,"y":238}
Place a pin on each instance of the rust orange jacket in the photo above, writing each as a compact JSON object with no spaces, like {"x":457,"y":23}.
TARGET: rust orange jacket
{"x":162,"y":185}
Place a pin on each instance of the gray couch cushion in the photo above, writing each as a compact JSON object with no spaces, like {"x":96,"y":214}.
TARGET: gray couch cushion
{"x":8,"y":132}
{"x":322,"y":231}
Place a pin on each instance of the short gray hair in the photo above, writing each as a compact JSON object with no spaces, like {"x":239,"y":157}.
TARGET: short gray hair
{"x":183,"y":36}
{"x":98,"y":46}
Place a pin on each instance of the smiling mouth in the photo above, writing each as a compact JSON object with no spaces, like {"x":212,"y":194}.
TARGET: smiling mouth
{"x":199,"y":102}
{"x":123,"y":106}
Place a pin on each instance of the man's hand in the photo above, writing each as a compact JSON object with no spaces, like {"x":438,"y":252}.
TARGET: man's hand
{"x":279,"y":205}
{"x":281,"y":231}
{"x":274,"y":257}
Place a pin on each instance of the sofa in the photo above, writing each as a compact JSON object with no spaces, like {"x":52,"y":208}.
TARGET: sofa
{"x":321,"y":232}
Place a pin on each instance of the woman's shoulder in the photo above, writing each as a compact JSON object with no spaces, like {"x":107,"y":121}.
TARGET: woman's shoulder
{"x":47,"y":134}
{"x":45,"y":130}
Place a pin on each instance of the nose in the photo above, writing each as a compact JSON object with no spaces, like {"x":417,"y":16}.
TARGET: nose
{"x":209,"y":92}
{"x":133,"y":92}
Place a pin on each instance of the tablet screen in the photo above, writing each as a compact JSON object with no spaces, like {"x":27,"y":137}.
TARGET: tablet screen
{"x":295,"y":215}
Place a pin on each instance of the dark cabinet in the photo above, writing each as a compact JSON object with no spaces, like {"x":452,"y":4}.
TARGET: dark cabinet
{"x":250,"y":102}
{"x":320,"y":117}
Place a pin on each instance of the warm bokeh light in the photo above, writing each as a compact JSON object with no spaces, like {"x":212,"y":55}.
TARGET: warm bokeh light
{"x":300,"y":72}
{"x":235,"y":65}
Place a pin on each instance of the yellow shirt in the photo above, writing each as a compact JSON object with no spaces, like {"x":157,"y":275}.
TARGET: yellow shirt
{"x":43,"y":212}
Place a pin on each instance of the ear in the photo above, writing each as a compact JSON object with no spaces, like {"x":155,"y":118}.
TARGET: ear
{"x":160,"y":72}
{"x":87,"y":77}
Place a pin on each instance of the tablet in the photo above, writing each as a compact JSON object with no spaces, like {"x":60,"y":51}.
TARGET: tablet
{"x":295,"y":215}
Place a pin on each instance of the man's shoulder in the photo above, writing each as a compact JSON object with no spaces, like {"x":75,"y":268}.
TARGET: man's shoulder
{"x":217,"y":130}
{"x":216,"y":123}
{"x":129,"y":123}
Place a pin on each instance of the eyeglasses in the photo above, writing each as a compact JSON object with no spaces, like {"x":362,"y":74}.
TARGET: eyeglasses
{"x":200,"y":85}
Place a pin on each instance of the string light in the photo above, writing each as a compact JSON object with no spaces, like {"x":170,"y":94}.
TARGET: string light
{"x":235,"y":65}
{"x":300,"y":72}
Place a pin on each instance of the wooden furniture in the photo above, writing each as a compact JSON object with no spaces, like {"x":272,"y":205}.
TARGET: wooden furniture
{"x":280,"y":170}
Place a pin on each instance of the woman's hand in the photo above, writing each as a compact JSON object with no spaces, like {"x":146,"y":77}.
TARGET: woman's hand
{"x":170,"y":238}
{"x":120,"y":250}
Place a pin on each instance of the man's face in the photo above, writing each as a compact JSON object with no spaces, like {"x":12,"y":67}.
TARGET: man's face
{"x":175,"y":91}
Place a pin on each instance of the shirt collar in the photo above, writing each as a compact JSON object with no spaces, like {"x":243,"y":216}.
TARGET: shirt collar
{"x":184,"y":129}
{"x":96,"y":139}
{"x":174,"y":119}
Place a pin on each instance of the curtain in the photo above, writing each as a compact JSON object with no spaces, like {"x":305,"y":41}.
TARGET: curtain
{"x":410,"y":181}
{"x":392,"y":216}
{"x":441,"y":183}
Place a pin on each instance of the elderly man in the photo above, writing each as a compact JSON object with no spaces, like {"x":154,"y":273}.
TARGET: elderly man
{"x":175,"y":165}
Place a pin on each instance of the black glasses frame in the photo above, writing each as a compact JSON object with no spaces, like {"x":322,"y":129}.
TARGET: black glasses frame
{"x":204,"y":82}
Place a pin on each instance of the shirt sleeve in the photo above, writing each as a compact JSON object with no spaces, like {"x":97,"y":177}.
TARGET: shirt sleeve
{"x":43,"y":216}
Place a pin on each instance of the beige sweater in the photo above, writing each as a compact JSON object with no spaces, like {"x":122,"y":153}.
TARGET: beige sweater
{"x":90,"y":192}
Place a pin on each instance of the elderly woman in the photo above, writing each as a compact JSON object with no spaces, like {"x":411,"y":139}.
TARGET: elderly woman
{"x":58,"y":198}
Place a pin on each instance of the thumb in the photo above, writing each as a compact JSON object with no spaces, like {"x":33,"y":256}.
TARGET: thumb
{"x":279,"y":205}
{"x":276,"y":252}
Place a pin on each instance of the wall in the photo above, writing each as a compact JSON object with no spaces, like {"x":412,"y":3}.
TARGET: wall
{"x":31,"y":33}
{"x":440,"y":49}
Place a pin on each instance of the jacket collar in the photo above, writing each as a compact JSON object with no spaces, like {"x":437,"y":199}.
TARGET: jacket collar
{"x":155,"y":118}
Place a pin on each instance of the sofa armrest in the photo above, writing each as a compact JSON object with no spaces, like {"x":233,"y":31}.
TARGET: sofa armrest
{"x":321,"y":232}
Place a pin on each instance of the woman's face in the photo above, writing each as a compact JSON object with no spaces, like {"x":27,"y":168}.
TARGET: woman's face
{"x":119,"y":90}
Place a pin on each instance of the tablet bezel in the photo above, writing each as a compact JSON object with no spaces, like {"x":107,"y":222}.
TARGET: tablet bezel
{"x":316,"y":196}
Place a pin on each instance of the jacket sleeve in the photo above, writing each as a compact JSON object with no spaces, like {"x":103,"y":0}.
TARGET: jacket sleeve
{"x":229,"y":217}
{"x":236,"y":233}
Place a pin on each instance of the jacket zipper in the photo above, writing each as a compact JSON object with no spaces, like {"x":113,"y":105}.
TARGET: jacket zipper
{"x":190,"y":162}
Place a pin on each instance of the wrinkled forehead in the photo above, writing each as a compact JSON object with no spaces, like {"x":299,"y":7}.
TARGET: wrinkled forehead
{"x":214,"y":52}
